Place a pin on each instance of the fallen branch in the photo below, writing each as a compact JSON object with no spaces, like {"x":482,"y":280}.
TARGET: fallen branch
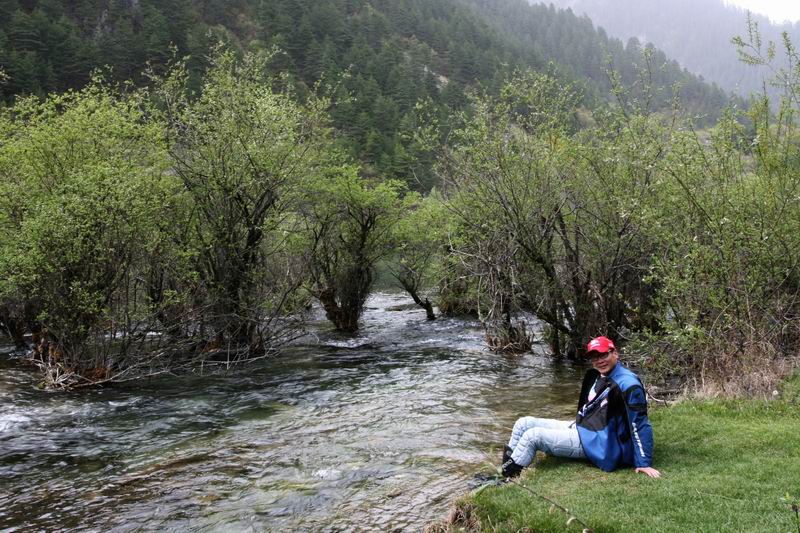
{"x":555,"y":505}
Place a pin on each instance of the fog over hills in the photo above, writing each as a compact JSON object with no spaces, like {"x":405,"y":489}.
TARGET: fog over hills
{"x":696,"y":33}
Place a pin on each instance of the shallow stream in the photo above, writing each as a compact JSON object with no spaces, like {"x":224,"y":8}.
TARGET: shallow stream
{"x":374,"y":433}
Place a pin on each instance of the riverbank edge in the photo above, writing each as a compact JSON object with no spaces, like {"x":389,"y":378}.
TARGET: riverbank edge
{"x":727,"y":465}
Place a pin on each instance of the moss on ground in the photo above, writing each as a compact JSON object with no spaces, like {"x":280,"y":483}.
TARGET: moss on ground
{"x":726,"y":466}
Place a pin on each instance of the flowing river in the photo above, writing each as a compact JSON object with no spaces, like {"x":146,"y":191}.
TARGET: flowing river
{"x":379,"y":432}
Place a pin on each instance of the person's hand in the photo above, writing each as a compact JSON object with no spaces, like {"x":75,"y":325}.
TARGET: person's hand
{"x":652,"y":472}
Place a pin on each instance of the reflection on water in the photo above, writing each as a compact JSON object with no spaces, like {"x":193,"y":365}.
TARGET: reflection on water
{"x":377,"y":432}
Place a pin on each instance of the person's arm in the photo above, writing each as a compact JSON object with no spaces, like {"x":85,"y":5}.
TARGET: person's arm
{"x":641,"y":431}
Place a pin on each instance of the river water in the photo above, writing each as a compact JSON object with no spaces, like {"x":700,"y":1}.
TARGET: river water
{"x":378,"y":432}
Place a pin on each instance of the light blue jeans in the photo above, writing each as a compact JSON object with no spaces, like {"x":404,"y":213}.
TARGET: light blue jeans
{"x":554,"y":437}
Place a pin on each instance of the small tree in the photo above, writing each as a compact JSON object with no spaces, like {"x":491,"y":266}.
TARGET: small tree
{"x":348,"y":227}
{"x":547,"y":215}
{"x":421,"y":237}
{"x":242,"y":151}
{"x":82,"y":183}
{"x":728,"y":215}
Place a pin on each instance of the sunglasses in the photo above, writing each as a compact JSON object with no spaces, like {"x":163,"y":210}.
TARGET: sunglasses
{"x":598,"y":356}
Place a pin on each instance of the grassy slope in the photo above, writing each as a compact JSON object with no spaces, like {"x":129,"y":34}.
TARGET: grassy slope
{"x":725,"y":467}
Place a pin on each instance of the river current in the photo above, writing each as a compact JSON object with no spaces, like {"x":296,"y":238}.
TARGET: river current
{"x":377,"y":432}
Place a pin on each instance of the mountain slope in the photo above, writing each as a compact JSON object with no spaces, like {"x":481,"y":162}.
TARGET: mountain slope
{"x":395,"y":52}
{"x":696,"y":33}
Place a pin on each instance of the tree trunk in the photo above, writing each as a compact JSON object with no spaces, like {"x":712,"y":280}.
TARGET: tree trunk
{"x":344,"y":318}
{"x":412,"y":291}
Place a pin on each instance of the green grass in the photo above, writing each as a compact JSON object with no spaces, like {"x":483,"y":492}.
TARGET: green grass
{"x":790,"y":389}
{"x":726,"y":467}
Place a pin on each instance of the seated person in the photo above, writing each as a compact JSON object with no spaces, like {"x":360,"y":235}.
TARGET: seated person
{"x":611,"y":428}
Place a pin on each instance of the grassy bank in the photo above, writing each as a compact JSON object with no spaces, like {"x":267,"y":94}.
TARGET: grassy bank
{"x":726,"y":466}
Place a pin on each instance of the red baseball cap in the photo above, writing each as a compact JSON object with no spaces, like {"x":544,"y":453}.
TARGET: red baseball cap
{"x":601,"y":345}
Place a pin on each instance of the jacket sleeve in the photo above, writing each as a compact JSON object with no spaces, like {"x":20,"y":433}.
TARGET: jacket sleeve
{"x":639,"y":426}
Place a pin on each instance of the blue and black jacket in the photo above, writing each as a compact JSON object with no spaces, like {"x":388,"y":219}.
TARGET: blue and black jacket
{"x":613,"y":427}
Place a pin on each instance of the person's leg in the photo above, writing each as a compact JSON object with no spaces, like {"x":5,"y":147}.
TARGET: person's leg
{"x":561,"y":442}
{"x":529,"y":422}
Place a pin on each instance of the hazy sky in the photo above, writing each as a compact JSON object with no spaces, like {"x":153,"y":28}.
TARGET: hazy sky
{"x":777,"y":10}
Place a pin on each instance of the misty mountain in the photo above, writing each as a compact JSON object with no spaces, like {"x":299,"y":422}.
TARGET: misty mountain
{"x":696,"y":33}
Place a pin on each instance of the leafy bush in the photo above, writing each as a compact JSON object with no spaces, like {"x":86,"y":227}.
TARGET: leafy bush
{"x":84,"y":198}
{"x":546,"y":214}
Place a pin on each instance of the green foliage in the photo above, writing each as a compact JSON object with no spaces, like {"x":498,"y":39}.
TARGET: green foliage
{"x":243,"y":153}
{"x":790,"y":389}
{"x":421,"y":243}
{"x":83,"y":188}
{"x":637,"y":226}
{"x":595,"y":214}
{"x":348,"y":226}
{"x":727,"y":219}
{"x":546,"y":213}
{"x":584,"y":50}
{"x":197,"y":217}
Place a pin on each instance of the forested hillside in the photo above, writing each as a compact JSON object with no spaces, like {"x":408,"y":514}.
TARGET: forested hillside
{"x":394,"y":53}
{"x":696,"y":33}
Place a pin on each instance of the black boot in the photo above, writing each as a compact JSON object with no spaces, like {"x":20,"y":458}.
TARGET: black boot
{"x":510,"y":469}
{"x":507,"y":451}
